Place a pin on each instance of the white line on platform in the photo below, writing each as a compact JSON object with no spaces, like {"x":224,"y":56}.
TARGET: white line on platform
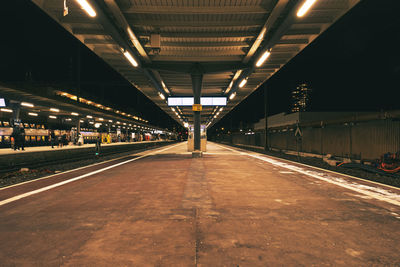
{"x":375,"y":192}
{"x":72,"y":170}
{"x":9,"y":200}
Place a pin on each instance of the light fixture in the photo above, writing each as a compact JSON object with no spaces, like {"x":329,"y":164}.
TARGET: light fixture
{"x":68,"y":119}
{"x":25,"y":104}
{"x":173,"y":109}
{"x":161,"y":96}
{"x":52,"y":117}
{"x":232,"y":96}
{"x":32,"y":114}
{"x":74,"y":114}
{"x":130,"y":58}
{"x":221,"y":109}
{"x":109,"y":120}
{"x":263,"y":58}
{"x":89,"y":117}
{"x":305,"y":7}
{"x":101,"y":119}
{"x":97,"y":125}
{"x":81,"y":121}
{"x":6,"y":110}
{"x":54,"y":109}
{"x":242,"y":83}
{"x":87,"y":7}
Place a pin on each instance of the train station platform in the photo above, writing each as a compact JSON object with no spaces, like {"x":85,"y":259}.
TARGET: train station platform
{"x":229,"y":208}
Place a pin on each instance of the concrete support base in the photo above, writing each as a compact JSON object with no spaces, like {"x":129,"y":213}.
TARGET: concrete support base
{"x":197,"y":154}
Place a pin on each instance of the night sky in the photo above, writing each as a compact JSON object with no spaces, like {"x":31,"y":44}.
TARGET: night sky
{"x":353,"y":66}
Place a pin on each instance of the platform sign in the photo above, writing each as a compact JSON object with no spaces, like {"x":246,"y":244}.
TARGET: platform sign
{"x":196,"y":107}
{"x":2,"y":102}
{"x":205,"y":101}
{"x":180,"y":101}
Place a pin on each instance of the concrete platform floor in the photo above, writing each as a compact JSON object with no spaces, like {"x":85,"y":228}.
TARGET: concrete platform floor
{"x":229,"y":208}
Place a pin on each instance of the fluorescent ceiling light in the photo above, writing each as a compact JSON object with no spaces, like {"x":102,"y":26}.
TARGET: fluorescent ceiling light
{"x":74,"y":114}
{"x":6,"y":110}
{"x":305,"y":7}
{"x":161,"y":96}
{"x":242,"y":83}
{"x":263,"y":58}
{"x":54,"y":109}
{"x":52,"y":117}
{"x":232,"y":96}
{"x":25,"y":104}
{"x":131,"y":59}
{"x":89,"y":117}
{"x":32,"y":114}
{"x":87,"y":7}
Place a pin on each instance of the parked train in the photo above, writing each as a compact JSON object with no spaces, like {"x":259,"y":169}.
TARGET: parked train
{"x":38,"y":135}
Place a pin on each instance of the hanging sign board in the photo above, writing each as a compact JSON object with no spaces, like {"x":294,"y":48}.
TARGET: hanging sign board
{"x":205,"y":101}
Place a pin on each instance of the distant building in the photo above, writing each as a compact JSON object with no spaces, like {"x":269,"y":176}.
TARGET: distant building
{"x":301,"y":98}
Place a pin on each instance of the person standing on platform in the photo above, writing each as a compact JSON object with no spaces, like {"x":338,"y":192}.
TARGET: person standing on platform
{"x":52,"y":138}
{"x":22,"y":137}
{"x":14,"y":136}
{"x":59,"y":140}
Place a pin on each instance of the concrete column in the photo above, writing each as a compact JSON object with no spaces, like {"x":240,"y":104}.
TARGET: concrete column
{"x":266,"y":147}
{"x":197,"y":79}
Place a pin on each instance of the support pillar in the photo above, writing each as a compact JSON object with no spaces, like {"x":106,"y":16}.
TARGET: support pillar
{"x":266,"y":147}
{"x":197,"y":79}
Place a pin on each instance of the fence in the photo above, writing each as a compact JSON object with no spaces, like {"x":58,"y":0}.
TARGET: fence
{"x":362,"y":140}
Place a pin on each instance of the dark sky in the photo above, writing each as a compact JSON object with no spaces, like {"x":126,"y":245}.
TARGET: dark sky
{"x":33,"y":43}
{"x":353,"y":66}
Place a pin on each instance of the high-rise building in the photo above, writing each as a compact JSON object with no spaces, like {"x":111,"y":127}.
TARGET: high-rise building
{"x":301,"y":98}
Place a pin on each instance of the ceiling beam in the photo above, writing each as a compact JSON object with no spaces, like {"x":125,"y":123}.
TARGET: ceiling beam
{"x":175,"y":10}
{"x":202,"y":44}
{"x":124,"y":25}
{"x":194,"y":24}
{"x":265,"y":30}
{"x":233,"y":34}
{"x":83,"y":31}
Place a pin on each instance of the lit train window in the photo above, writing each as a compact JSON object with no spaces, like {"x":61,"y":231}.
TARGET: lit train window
{"x":33,"y":125}
{"x":27,"y":138}
{"x":6,"y":139}
{"x":6,"y":123}
{"x":1,"y":138}
{"x":26,"y":125}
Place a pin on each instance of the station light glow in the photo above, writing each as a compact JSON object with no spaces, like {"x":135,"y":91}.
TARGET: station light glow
{"x":52,"y":117}
{"x":74,"y":114}
{"x":32,"y":114}
{"x":87,"y":7}
{"x":263,"y":58}
{"x":242,"y":83}
{"x":130,"y":59}
{"x":232,"y":96}
{"x":25,"y":104}
{"x":54,"y":109}
{"x":305,"y":7}
{"x":6,"y":110}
